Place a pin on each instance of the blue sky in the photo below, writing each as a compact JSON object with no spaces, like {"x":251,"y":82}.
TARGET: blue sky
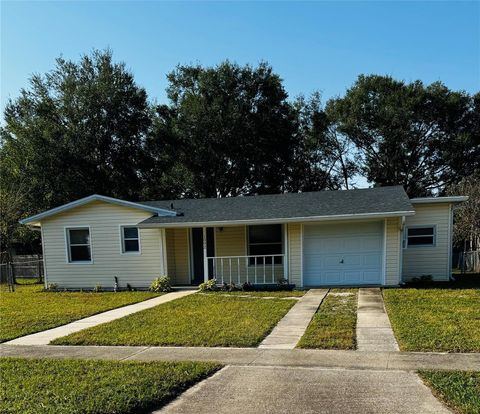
{"x":312,"y":45}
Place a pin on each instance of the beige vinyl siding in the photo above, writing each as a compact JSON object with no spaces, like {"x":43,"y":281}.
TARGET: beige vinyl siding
{"x":294,"y":232}
{"x":434,"y":261}
{"x":181,"y":242}
{"x":169,"y":240}
{"x":104,"y":220}
{"x":232,"y":241}
{"x":393,"y":251}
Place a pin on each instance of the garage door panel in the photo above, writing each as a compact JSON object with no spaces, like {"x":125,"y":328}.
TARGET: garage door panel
{"x":345,"y":254}
{"x":371,"y":276}
{"x":352,"y":277}
{"x":333,"y":277}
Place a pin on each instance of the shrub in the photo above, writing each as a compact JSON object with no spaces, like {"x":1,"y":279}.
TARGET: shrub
{"x":210,"y":285}
{"x":230,"y":287}
{"x":97,"y":288}
{"x":247,"y":287}
{"x":52,"y":286}
{"x":161,"y":284}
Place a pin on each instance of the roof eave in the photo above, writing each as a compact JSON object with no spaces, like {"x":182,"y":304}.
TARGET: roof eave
{"x":279,"y":220}
{"x":432,"y":200}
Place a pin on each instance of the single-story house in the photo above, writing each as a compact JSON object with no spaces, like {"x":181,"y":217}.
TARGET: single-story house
{"x":375,"y":236}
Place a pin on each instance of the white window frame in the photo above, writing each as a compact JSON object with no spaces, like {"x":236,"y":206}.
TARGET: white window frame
{"x":420,"y":226}
{"x":259,"y":244}
{"x":67,"y":245}
{"x":122,"y":240}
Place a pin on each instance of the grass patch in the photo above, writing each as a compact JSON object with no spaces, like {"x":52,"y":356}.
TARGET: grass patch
{"x":195,"y":320}
{"x":29,"y":309}
{"x":48,"y":386}
{"x":459,"y":390}
{"x":446,"y":320}
{"x":262,"y":294}
{"x":333,"y":325}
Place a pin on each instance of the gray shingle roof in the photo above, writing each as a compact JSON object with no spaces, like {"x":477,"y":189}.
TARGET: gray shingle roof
{"x":380,"y":200}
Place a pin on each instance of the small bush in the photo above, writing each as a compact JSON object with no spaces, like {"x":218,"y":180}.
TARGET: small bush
{"x":161,"y":284}
{"x":52,"y":286}
{"x":247,"y":287}
{"x":97,"y":288}
{"x":230,"y":287}
{"x":210,"y":285}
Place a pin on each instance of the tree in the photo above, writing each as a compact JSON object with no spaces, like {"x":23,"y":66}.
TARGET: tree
{"x":233,"y":128}
{"x":79,"y":129}
{"x":467,"y":216}
{"x":421,"y":137}
{"x":322,"y":157}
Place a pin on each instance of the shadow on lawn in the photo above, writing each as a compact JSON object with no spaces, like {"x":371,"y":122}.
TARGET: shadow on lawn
{"x":462,"y":281}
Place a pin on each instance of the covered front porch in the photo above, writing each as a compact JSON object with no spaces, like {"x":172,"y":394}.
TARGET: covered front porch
{"x":229,"y":254}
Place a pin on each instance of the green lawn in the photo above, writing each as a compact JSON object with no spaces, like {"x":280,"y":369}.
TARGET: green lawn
{"x":334,"y":324}
{"x":271,"y":294}
{"x":29,"y":309}
{"x":459,"y":390}
{"x":48,"y":386}
{"x":435,"y":319}
{"x":195,"y":320}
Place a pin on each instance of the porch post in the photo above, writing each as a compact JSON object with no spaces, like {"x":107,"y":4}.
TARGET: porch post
{"x":205,"y":261}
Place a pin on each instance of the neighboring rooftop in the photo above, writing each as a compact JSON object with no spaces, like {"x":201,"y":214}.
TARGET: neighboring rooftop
{"x":369,"y":202}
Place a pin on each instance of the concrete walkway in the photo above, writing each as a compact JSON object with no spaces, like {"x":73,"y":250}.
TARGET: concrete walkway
{"x":291,"y":327}
{"x":406,"y":361}
{"x":252,"y":390}
{"x":374,"y":332}
{"x":45,"y":337}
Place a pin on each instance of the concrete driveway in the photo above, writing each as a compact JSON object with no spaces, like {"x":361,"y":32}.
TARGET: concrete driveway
{"x":256,"y":389}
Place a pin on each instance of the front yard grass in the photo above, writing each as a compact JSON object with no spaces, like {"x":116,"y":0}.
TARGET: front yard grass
{"x":29,"y":309}
{"x":333,"y":325}
{"x":458,"y":389}
{"x":443,"y":320}
{"x":195,"y":320}
{"x":48,"y":386}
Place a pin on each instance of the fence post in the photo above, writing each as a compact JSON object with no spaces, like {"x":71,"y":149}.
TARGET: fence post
{"x":11,"y":282}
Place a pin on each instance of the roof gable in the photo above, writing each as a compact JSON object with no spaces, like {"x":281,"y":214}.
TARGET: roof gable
{"x":96,"y":197}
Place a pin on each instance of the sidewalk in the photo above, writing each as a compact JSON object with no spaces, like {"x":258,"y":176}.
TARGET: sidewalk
{"x":374,"y":332}
{"x":45,"y":337}
{"x":292,"y":326}
{"x":406,"y":361}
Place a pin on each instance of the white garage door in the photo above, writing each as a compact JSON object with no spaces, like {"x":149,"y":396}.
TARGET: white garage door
{"x":345,"y":254}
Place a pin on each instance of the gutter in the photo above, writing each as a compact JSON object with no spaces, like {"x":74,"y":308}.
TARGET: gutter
{"x":279,"y":220}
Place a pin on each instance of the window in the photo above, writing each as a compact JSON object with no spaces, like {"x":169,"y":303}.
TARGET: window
{"x":79,"y":248}
{"x":130,"y":240}
{"x":420,"y":236}
{"x":263,"y":241}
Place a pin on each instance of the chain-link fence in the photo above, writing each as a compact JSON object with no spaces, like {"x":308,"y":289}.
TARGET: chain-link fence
{"x":22,"y":267}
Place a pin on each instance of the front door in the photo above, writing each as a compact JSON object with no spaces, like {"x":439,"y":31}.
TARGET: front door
{"x":197,"y":253}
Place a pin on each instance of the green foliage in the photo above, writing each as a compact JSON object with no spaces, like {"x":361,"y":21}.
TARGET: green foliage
{"x":421,"y":137}
{"x":233,"y":128}
{"x":215,"y":319}
{"x":209,"y":285}
{"x":334,"y":324}
{"x":31,"y":309}
{"x":460,"y":390}
{"x":97,"y":288}
{"x":161,"y":284}
{"x":435,"y":320}
{"x":50,"y":386}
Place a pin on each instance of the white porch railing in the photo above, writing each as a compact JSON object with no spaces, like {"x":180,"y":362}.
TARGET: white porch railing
{"x":259,"y":269}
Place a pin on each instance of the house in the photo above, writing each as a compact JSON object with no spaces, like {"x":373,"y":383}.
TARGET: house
{"x":374,"y":236}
